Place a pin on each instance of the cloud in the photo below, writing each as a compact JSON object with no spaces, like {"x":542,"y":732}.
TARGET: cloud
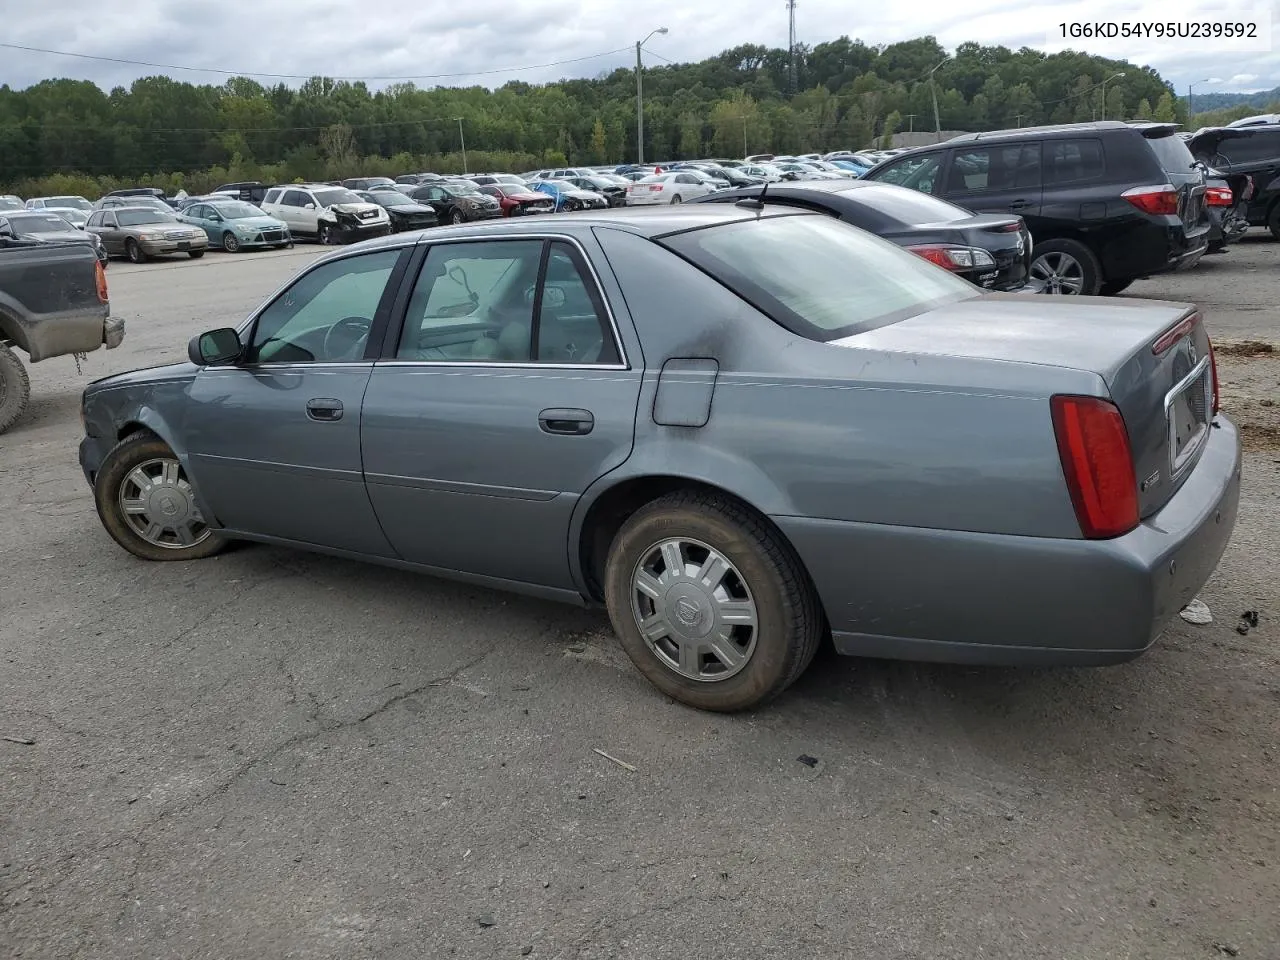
{"x":388,"y":39}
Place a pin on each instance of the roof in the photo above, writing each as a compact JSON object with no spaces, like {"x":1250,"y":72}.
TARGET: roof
{"x":1065,"y":129}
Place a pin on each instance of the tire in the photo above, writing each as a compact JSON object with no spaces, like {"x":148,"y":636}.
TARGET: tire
{"x":456,"y":217}
{"x":195,"y":254}
{"x":1110,"y":288}
{"x":134,"y":252}
{"x":1077,"y":269}
{"x":774,"y":648}
{"x":15,"y":388}
{"x":325,"y":236}
{"x":677,"y":199}
{"x":1273,"y":220}
{"x":230,"y":243}
{"x":148,"y":453}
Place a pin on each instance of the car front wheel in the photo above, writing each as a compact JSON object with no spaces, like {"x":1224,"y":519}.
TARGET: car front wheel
{"x":710,"y":602}
{"x":134,"y":252}
{"x":230,"y":243}
{"x":147,"y":504}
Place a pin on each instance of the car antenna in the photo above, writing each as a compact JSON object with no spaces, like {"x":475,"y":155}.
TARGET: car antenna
{"x":754,"y":203}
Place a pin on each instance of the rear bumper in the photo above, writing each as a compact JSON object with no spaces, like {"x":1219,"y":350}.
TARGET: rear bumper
{"x":916,"y":594}
{"x":1152,"y":246}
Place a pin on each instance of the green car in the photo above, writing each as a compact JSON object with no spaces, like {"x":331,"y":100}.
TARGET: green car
{"x":235,"y":225}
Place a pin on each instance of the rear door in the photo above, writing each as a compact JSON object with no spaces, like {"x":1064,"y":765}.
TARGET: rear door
{"x":506,"y":395}
{"x":995,"y":178}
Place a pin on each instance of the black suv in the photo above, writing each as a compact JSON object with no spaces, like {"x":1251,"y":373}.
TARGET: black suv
{"x":1254,"y":151}
{"x":1107,"y":203}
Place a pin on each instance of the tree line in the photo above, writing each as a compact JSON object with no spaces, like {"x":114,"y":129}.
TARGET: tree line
{"x":70,"y":136}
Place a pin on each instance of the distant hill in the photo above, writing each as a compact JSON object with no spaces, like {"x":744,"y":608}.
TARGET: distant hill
{"x":1222,"y":101}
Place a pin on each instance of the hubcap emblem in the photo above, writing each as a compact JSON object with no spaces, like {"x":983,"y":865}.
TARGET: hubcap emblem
{"x":688,"y":612}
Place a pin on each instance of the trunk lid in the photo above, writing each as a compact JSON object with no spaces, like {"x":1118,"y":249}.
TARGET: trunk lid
{"x":1012,"y":260}
{"x":1165,"y":397}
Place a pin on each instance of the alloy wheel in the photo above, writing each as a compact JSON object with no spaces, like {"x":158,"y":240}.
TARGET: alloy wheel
{"x":694,"y":609}
{"x":1057,"y":272}
{"x":230,"y":243}
{"x":158,"y":504}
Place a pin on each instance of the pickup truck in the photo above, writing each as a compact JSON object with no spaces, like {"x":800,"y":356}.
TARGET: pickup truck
{"x":53,"y":302}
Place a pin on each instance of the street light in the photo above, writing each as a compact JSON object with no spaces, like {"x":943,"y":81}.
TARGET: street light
{"x":1191,"y":86}
{"x":462,"y":140}
{"x":1114,"y":76}
{"x":937,"y":124}
{"x":640,"y":96}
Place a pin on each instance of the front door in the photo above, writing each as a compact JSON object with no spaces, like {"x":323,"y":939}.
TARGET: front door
{"x":274,"y":441}
{"x":509,"y":394}
{"x":1002,"y":178}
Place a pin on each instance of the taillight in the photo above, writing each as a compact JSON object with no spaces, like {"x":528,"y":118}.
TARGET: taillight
{"x":953,"y":258}
{"x":1093,"y":445}
{"x":1218,"y":196}
{"x":100,"y":277}
{"x":1161,"y":200}
{"x":655,"y":186}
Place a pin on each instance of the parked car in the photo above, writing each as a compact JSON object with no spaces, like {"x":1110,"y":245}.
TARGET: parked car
{"x":60,"y":204}
{"x":856,"y":445}
{"x":1249,"y":151}
{"x":112,"y":202}
{"x":562,"y":173}
{"x":9,"y":202}
{"x":1260,"y":120}
{"x":250,"y":191}
{"x":992,"y":251}
{"x":765,"y":173}
{"x":667,"y":188}
{"x":46,"y":226}
{"x":419,"y":178}
{"x":457,"y":201}
{"x":142,"y":232}
{"x":614,"y":193}
{"x":405,"y":212}
{"x":236,"y":225}
{"x":486,"y":179}
{"x":569,"y":197}
{"x":518,"y":201}
{"x":366,"y":183}
{"x":1227,"y":199}
{"x":805,"y":171}
{"x":326,"y":213}
{"x":1108,"y":202}
{"x":53,"y":302}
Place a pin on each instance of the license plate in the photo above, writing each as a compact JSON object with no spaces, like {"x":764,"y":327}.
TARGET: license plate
{"x":184,"y":246}
{"x":1188,"y":408}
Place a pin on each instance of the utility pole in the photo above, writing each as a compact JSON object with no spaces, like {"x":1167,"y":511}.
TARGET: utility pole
{"x":1019,"y":118}
{"x":911,"y":123}
{"x":1104,"y":92}
{"x":462,"y":140}
{"x":744,"y":136}
{"x":933,"y":92}
{"x":640,"y":96}
{"x":791,"y":43}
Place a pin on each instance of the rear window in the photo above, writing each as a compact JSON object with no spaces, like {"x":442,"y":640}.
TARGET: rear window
{"x":1172,"y":153}
{"x":818,"y":277}
{"x":900,"y":205}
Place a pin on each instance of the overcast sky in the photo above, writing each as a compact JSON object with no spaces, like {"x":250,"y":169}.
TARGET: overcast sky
{"x":385,"y":39}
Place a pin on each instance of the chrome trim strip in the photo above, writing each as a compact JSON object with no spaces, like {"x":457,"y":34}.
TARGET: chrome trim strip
{"x":1178,"y":462}
{"x":503,"y":365}
{"x":459,"y":486}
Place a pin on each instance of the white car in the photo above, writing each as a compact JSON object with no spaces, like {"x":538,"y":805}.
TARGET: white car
{"x":326,"y":213}
{"x":75,"y":210}
{"x":766,"y":172}
{"x":667,"y":188}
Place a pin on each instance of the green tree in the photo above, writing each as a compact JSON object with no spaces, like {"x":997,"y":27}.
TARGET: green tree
{"x":1144,"y":110}
{"x":599,"y":148}
{"x":1164,"y":111}
{"x":891,"y":125}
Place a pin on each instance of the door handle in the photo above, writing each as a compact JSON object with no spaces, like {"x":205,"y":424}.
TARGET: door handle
{"x":324,"y":410}
{"x":1019,"y":204}
{"x":566,"y":421}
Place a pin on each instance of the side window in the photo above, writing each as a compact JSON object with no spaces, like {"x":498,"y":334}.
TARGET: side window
{"x":1073,"y":161}
{"x":199,"y":211}
{"x":918,"y":173}
{"x":1259,"y":145}
{"x":326,"y":315}
{"x":109,"y":219}
{"x":435,"y":193}
{"x":572,"y":324}
{"x":473,"y":301}
{"x":988,"y":169}
{"x":295,"y":198}
{"x":272,"y":196}
{"x":95,"y":220}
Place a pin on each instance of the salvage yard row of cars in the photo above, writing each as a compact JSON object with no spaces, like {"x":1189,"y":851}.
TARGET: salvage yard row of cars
{"x":1077,"y":209}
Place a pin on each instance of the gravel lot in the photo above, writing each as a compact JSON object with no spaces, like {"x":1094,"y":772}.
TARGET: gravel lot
{"x":273,"y":755}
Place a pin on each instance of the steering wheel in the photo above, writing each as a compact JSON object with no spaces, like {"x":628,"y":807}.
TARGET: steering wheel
{"x":345,"y":340}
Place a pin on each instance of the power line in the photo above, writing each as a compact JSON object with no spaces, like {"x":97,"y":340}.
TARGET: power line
{"x":302,"y":76}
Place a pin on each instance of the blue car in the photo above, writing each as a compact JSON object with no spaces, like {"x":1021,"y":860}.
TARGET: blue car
{"x":570,"y":197}
{"x":235,"y":225}
{"x":851,"y":165}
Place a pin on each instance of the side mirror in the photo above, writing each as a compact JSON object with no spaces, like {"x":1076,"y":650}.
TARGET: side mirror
{"x":309,"y":206}
{"x":215,"y":347}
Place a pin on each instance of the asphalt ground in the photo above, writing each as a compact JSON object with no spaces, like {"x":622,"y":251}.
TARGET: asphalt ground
{"x":275,"y":755}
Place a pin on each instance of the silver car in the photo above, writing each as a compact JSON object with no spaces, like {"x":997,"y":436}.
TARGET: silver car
{"x":741,"y":429}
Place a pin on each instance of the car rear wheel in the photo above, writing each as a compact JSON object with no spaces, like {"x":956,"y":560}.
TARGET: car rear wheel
{"x":677,"y":198}
{"x":134,"y":252}
{"x":147,"y":505}
{"x":1273,"y":220}
{"x":710,"y":603}
{"x":15,"y":388}
{"x":230,"y":243}
{"x":1065,"y":267}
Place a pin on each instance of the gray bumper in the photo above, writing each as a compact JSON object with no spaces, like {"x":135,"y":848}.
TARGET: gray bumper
{"x":113,"y":332}
{"x":916,"y":594}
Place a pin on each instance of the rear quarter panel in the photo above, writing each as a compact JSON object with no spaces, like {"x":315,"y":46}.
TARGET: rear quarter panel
{"x":800,"y":428}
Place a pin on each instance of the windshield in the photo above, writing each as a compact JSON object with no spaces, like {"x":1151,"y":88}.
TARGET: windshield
{"x":70,"y":203}
{"x":819,"y":277}
{"x":136,"y":218}
{"x":327,"y":198}
{"x":390,"y":198}
{"x":49,"y":224}
{"x":460,"y":189}
{"x":237,"y":210}
{"x":9,"y":204}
